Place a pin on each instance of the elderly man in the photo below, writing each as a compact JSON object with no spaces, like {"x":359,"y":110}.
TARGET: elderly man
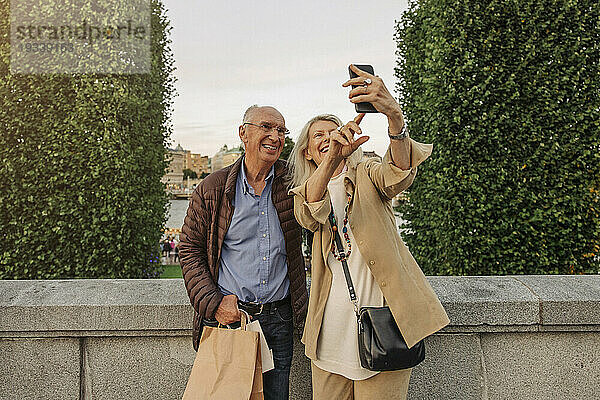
{"x":241,"y":246}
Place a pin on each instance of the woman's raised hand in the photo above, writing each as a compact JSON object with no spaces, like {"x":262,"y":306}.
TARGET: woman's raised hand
{"x":374,"y":92}
{"x":342,"y":142}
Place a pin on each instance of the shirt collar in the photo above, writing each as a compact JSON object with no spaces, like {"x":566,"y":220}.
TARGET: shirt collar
{"x":245,"y":185}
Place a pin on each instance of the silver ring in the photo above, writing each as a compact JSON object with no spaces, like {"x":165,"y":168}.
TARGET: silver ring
{"x":368,"y":81}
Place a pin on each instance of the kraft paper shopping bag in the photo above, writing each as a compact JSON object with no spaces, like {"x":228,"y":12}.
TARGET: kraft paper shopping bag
{"x":266,"y":354}
{"x":257,"y":385}
{"x":227,"y":366}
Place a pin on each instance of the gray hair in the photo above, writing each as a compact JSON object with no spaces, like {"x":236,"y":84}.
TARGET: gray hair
{"x":249,"y":112}
{"x":300,"y":169}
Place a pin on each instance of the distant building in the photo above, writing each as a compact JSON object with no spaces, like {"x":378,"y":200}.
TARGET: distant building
{"x":225,"y":157}
{"x":181,"y":159}
{"x":174,"y":176}
{"x":197,"y":163}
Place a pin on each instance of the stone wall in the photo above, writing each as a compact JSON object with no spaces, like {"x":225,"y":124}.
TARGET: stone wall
{"x":513,"y":337}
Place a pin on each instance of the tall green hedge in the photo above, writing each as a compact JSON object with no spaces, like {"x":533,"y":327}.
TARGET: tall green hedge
{"x":81,"y":158}
{"x":509,"y":93}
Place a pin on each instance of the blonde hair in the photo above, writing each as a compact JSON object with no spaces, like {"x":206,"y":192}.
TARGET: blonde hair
{"x":300,"y":169}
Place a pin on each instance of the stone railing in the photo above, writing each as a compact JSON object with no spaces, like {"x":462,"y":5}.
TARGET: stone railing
{"x":512,"y":337}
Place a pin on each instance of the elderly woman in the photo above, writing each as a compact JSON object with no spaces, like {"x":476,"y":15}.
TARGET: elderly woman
{"x":327,"y":171}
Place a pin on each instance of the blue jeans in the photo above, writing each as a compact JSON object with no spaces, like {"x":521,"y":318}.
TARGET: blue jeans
{"x":278,"y":329}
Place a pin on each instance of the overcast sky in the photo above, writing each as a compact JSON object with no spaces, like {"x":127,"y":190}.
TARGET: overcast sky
{"x":292,"y":55}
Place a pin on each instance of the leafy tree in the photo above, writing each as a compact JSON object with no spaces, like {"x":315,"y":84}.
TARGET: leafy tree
{"x":287,"y":148}
{"x":188,"y":173}
{"x":81,"y":159}
{"x":508,"y":92}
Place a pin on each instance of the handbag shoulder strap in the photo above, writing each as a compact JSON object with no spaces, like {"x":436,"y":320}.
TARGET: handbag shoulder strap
{"x":340,"y":248}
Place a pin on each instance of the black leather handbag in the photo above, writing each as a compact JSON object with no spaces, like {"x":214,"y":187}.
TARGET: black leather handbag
{"x":381,"y":346}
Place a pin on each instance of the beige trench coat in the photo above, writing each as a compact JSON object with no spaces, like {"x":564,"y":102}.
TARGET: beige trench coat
{"x":372,"y":184}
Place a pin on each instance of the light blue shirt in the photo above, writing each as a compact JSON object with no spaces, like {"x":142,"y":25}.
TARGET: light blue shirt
{"x":253,"y":263}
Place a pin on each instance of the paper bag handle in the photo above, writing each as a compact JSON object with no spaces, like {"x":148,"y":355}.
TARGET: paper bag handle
{"x":244,"y":319}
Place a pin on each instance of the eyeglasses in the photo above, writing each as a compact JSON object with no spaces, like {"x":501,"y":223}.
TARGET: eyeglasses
{"x":266,"y":127}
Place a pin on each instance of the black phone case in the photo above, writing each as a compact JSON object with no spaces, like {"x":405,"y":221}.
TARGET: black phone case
{"x":363,"y":107}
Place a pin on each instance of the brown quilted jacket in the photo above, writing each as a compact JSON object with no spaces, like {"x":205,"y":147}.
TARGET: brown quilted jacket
{"x":208,"y":217}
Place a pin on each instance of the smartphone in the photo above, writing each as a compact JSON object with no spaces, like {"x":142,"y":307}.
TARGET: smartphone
{"x":363,"y":107}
